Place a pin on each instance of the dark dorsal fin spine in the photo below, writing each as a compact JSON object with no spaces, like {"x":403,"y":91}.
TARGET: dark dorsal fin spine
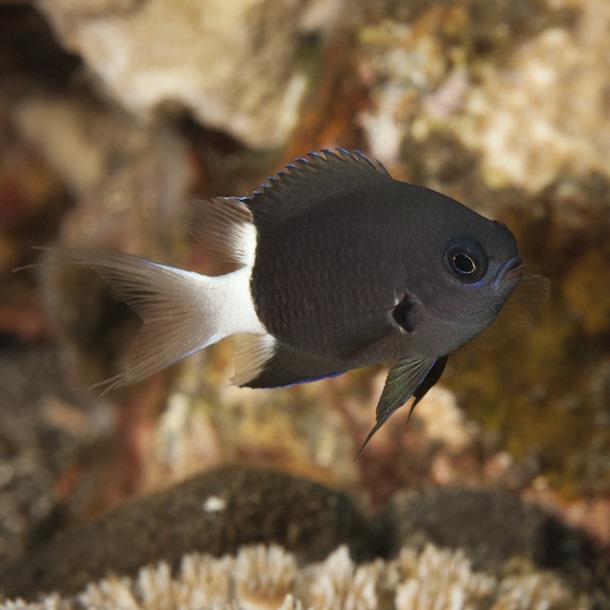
{"x":311,"y":181}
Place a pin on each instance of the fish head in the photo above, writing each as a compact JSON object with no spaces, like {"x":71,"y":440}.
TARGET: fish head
{"x":470,"y":267}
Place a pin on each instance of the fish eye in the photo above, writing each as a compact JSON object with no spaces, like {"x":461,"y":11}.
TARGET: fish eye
{"x":463,"y":263}
{"x":465,"y":259}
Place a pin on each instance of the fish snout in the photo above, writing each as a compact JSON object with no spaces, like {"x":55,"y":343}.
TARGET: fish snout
{"x":510,"y":273}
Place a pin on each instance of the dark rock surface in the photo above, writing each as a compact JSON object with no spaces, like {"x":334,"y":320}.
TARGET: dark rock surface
{"x":216,"y":513}
{"x":491,"y":527}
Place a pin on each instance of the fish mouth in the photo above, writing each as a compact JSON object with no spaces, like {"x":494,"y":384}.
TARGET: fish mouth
{"x":510,"y":273}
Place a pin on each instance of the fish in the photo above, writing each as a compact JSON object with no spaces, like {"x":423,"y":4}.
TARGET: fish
{"x":337,"y":266}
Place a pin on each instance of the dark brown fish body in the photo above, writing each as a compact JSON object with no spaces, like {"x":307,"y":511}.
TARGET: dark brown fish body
{"x":340,"y":267}
{"x":327,"y":282}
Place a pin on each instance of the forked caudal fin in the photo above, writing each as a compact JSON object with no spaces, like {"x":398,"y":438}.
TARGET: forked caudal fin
{"x":182,"y":311}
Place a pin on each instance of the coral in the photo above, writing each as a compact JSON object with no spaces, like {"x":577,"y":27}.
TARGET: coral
{"x":203,"y":581}
{"x":533,"y":592}
{"x":263,"y":574}
{"x":530,"y":90}
{"x":499,"y":104}
{"x":452,"y":69}
{"x":232,"y":64}
{"x":266,"y":577}
{"x":438,"y":578}
{"x":443,"y":420}
{"x":338,"y":583}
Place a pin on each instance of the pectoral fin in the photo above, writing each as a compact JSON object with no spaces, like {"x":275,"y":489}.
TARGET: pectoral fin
{"x":429,"y":381}
{"x":518,"y":313}
{"x":407,"y":377}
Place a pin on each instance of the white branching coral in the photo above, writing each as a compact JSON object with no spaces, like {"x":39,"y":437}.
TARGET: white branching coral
{"x":537,"y":591}
{"x":339,"y":583}
{"x":51,"y":602}
{"x":268,"y":578}
{"x":263,"y":576}
{"x":203,"y":581}
{"x":203,"y":574}
{"x":437,"y":578}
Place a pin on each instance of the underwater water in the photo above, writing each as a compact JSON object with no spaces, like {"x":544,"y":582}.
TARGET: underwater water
{"x":503,"y":470}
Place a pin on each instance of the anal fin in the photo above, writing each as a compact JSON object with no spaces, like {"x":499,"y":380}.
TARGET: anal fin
{"x":252,"y":352}
{"x":257,"y":366}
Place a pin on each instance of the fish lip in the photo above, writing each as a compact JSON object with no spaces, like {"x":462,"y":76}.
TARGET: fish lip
{"x":510,"y":273}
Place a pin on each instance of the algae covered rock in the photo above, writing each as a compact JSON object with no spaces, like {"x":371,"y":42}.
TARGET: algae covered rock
{"x":216,"y":513}
{"x":489,"y":526}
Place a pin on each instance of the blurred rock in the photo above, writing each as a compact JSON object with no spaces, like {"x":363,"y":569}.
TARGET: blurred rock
{"x":216,"y":512}
{"x":234,"y":65}
{"x":32,"y":199}
{"x":490,"y":526}
{"x":501,"y":105}
{"x":130,"y":185}
{"x":120,"y":173}
{"x":30,"y":57}
{"x":45,"y":432}
{"x":548,"y":395}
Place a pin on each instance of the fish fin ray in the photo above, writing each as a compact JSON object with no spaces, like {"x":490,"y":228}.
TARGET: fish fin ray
{"x":288,"y":366}
{"x":224,"y":224}
{"x":429,"y":381}
{"x":518,"y":313}
{"x":309,"y":182}
{"x":403,"y":314}
{"x":251,"y":354}
{"x":176,"y":308}
{"x":403,"y":380}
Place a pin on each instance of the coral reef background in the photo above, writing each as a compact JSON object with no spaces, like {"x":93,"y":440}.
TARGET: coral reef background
{"x":113,"y":114}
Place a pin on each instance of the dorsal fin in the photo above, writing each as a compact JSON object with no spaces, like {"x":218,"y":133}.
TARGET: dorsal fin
{"x":224,"y":224}
{"x":311,"y":182}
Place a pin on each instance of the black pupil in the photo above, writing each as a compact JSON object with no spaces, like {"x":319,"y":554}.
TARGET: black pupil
{"x":463,"y":263}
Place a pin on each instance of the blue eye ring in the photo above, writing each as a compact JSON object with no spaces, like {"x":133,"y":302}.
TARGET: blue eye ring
{"x":465,"y":259}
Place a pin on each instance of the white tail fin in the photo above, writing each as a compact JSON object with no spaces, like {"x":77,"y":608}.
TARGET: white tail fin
{"x":182,"y":311}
